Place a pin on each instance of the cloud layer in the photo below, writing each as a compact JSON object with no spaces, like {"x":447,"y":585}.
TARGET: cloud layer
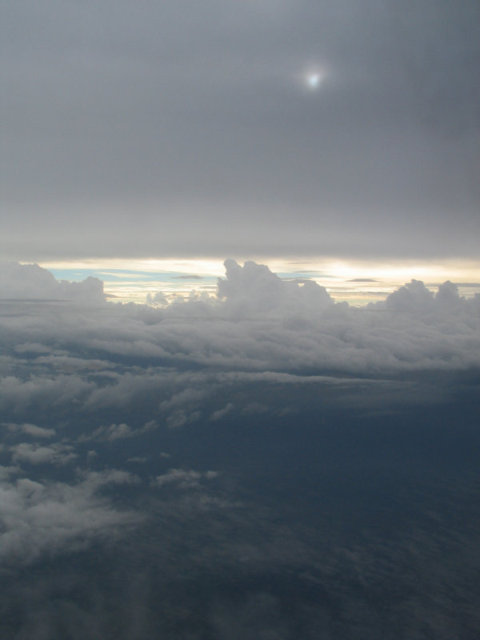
{"x":83,"y":373}
{"x":188,"y":129}
{"x":256,"y":322}
{"x":250,"y":464}
{"x":29,"y":281}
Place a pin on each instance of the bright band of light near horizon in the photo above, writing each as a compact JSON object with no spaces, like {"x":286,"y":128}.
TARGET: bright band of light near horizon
{"x":358,"y":281}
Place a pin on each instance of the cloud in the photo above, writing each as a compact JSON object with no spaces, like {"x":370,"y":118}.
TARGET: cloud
{"x":56,"y":516}
{"x":414,"y":297}
{"x":157,"y":298}
{"x":29,"y":281}
{"x":42,"y":392}
{"x":32,"y":348}
{"x":253,"y":288}
{"x":81,"y":382}
{"x":57,"y":454}
{"x":221,"y":413}
{"x":113,"y":432}
{"x":31,"y":429}
{"x":242,"y":160}
{"x":184,"y":479}
{"x":170,"y":360}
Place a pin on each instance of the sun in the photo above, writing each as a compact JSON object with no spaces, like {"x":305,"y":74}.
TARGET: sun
{"x":313,"y":79}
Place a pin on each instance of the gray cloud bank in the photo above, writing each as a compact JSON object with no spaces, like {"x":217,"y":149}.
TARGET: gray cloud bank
{"x":256,"y":322}
{"x":186,"y":128}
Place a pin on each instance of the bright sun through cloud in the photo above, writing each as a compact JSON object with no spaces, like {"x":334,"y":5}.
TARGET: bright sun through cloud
{"x":313,"y":79}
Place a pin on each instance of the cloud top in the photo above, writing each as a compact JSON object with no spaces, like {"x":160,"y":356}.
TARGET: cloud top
{"x":29,"y":281}
{"x":254,"y":288}
{"x":257,"y":321}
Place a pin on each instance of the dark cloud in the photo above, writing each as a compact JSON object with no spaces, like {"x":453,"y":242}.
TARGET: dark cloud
{"x":186,"y":129}
{"x":263,"y":463}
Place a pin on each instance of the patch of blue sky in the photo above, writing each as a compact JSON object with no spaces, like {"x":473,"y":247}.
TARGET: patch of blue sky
{"x":76,"y":275}
{"x":307,"y":275}
{"x":134,"y":285}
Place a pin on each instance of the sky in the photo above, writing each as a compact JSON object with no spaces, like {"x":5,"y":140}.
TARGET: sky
{"x":240,"y":320}
{"x":248,"y":128}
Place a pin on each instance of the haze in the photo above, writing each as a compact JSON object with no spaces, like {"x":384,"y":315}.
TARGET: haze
{"x":240,"y":128}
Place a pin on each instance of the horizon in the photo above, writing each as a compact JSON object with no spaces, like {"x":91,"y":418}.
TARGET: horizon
{"x":357,"y":282}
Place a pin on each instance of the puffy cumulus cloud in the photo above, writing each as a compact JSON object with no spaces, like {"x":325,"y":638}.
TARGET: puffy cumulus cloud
{"x":53,"y":516}
{"x":20,"y":281}
{"x":415,"y":298}
{"x":257,"y":322}
{"x":32,"y":430}
{"x":157,"y":298}
{"x":32,"y":348}
{"x":182,"y":407}
{"x":294,"y":325}
{"x":253,"y":288}
{"x":183,"y":478}
{"x":66,"y":363}
{"x":113,"y":432}
{"x":42,"y":392}
{"x":6,"y":472}
{"x":221,"y":413}
{"x":57,"y":454}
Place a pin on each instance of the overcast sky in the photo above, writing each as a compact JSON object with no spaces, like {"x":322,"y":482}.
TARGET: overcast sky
{"x":240,"y":127}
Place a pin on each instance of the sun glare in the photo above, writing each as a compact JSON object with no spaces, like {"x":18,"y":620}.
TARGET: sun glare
{"x":314,"y":78}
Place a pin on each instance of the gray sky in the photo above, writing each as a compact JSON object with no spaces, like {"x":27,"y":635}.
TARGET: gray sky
{"x":187,"y":128}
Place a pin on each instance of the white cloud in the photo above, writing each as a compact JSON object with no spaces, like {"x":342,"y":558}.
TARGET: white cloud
{"x":137,"y":459}
{"x":29,"y":281}
{"x":57,"y":454}
{"x":41,"y":516}
{"x":7,"y":472}
{"x":43,"y":392}
{"x":157,"y":298}
{"x":184,"y":479}
{"x":253,"y":289}
{"x":258,"y":322}
{"x":112,"y":432}
{"x":32,"y":348}
{"x":414,"y":297}
{"x":31,"y":429}
{"x":221,"y":413}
